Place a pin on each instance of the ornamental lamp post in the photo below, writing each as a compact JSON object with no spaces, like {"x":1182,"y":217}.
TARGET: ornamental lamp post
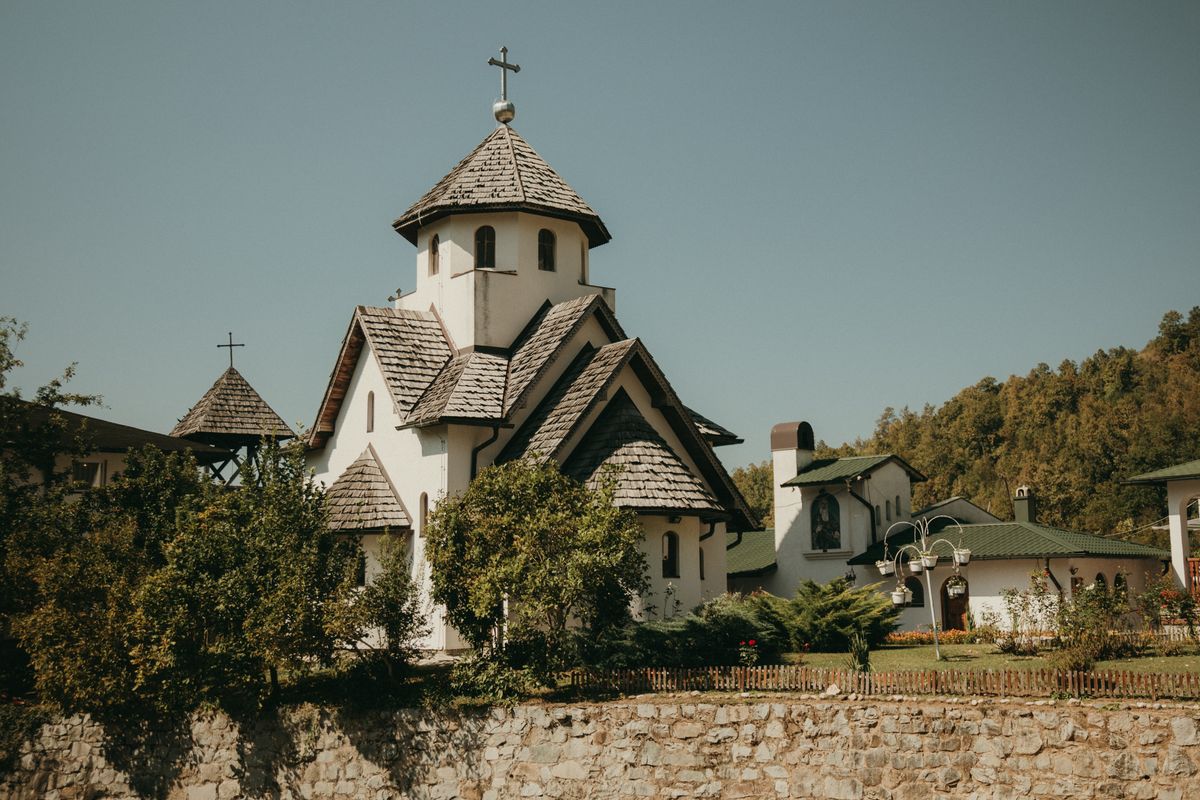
{"x":922,"y":558}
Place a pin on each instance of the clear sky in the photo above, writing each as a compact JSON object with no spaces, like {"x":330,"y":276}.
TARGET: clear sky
{"x":818,"y":209}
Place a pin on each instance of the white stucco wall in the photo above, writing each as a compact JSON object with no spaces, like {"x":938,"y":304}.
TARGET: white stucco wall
{"x":491,"y":307}
{"x":987,"y":580}
{"x":1179,"y":494}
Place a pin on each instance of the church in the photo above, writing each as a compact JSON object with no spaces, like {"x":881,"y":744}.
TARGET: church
{"x":506,"y":349}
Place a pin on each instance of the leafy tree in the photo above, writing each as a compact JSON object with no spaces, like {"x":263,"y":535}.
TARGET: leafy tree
{"x":756,"y":483}
{"x":384,"y":619}
{"x":524,"y":552}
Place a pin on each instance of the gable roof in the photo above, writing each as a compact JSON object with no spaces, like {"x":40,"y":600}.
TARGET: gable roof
{"x":410,"y":348}
{"x":1001,"y":540}
{"x":939,"y":506}
{"x":503,"y":173}
{"x":539,"y":345}
{"x":836,"y":470}
{"x":364,"y":499}
{"x":716,"y":435}
{"x":750,"y":554}
{"x":231,"y":411}
{"x":1179,"y":472}
{"x":470,"y":388}
{"x":103,"y":436}
{"x":575,"y":393}
{"x":649,"y":475}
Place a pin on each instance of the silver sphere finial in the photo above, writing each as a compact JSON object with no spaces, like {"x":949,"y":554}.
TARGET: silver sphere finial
{"x":503,"y":108}
{"x":504,"y":111}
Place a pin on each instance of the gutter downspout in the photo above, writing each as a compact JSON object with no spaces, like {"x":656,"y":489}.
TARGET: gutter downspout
{"x":870,"y":511}
{"x":1053,"y":579}
{"x":475,"y":450}
{"x":712,"y":528}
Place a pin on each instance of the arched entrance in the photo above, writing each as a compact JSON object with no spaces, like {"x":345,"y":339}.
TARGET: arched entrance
{"x":954,"y":609}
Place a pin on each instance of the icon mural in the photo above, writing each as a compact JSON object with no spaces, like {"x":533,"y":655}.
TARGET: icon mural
{"x":826,"y":523}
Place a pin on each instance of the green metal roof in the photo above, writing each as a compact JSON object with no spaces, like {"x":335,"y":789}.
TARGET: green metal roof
{"x":836,"y":470}
{"x":1179,"y":472}
{"x":754,"y":555}
{"x":1019,"y":540}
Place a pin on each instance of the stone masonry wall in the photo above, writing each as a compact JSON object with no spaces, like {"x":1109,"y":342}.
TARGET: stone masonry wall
{"x":679,"y":746}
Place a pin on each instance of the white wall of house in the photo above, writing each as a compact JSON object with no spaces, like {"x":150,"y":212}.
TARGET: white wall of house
{"x":1179,"y":494}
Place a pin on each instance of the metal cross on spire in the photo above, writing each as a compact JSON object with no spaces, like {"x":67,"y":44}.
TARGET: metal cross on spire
{"x":231,"y":345}
{"x":503,"y":108}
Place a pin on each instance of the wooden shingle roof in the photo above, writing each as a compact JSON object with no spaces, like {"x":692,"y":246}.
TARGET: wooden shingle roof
{"x":469,"y":388}
{"x":503,"y":173}
{"x":364,"y":499}
{"x":649,"y":476}
{"x":231,"y":412}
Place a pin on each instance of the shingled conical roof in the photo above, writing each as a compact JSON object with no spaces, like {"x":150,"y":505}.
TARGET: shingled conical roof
{"x":232,"y":413}
{"x":364,"y":499}
{"x":502,"y":174}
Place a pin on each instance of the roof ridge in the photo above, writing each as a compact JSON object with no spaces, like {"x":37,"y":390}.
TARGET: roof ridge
{"x":512,"y":153}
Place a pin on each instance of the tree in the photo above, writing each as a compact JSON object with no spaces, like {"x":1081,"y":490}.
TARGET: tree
{"x":526,"y":551}
{"x":756,"y":483}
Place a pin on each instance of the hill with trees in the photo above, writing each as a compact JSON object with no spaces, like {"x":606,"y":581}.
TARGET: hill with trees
{"x":1072,"y":433}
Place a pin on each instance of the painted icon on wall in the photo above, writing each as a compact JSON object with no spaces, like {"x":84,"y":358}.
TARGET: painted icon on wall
{"x":826,"y":523}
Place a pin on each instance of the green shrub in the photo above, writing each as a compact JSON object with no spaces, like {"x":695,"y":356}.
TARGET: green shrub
{"x":490,"y":679}
{"x":822,"y":617}
{"x":860,"y":653}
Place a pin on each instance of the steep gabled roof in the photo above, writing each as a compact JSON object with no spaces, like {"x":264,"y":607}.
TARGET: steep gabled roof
{"x":990,"y":541}
{"x":570,"y":399}
{"x":410,"y":348}
{"x":469,"y":389}
{"x":364,"y":499}
{"x":713,"y":433}
{"x":231,"y":411}
{"x":835,"y":470}
{"x":540,"y":344}
{"x":648,"y":475}
{"x":502,"y":174}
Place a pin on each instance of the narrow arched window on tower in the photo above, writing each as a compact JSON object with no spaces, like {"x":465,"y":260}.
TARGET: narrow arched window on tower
{"x":887,"y":506}
{"x":546,"y":250}
{"x":897,"y":506}
{"x":424,"y":514}
{"x":670,"y":545}
{"x":434,"y":256}
{"x":701,"y":563}
{"x":583,"y":265}
{"x":485,"y":248}
{"x":370,"y":412}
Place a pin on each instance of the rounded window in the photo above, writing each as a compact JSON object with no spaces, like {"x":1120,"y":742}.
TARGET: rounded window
{"x":434,"y":255}
{"x":670,"y":555}
{"x":546,"y":250}
{"x":485,"y":248}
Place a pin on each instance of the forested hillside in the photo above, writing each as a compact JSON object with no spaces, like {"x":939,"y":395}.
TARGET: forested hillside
{"x":1071,"y":432}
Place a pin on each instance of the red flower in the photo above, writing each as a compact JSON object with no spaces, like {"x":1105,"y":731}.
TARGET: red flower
{"x":742,"y":643}
{"x":752,"y":643}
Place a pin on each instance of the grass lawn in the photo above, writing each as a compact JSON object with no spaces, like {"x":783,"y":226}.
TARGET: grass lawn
{"x":893,"y":658}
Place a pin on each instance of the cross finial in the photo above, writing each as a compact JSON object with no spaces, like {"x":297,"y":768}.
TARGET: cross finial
{"x":231,"y":345}
{"x":503,"y":108}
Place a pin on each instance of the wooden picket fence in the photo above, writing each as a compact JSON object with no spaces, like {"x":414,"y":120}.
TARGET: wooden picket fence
{"x":993,"y":683}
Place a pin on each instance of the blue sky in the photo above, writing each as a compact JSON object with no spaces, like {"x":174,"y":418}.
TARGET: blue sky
{"x":818,"y":209}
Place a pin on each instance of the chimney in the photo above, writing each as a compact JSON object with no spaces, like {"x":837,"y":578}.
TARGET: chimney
{"x":1025,"y":505}
{"x":791,"y":449}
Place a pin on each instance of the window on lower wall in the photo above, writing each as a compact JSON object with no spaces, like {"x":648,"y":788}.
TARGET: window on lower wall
{"x":86,"y":475}
{"x":917,"y":588}
{"x":701,"y":563}
{"x":360,"y":569}
{"x":670,"y":555}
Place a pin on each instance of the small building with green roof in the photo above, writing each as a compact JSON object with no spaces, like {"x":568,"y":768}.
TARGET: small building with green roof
{"x":1182,"y":482}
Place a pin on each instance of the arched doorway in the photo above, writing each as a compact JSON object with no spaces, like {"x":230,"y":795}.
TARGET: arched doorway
{"x":954,"y":609}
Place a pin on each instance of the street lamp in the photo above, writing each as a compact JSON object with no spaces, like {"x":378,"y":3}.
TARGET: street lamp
{"x":922,"y":558}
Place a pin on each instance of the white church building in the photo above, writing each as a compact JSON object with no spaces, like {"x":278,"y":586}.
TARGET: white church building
{"x":506,"y":349}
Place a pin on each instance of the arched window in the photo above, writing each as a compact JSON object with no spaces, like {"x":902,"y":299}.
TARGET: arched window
{"x":485,"y":248}
{"x":897,"y":505}
{"x":915,"y":586}
{"x":701,"y":563}
{"x":878,"y":515}
{"x":1120,"y":585}
{"x":434,"y":256}
{"x":1101,"y":583}
{"x":888,"y":505}
{"x":583,"y":278}
{"x":670,"y":547}
{"x":423,"y":514}
{"x":826,"y":523}
{"x":370,"y":412}
{"x":360,"y":568}
{"x":546,"y":250}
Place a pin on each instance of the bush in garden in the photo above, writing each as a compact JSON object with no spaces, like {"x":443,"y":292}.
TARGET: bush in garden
{"x":823,"y":616}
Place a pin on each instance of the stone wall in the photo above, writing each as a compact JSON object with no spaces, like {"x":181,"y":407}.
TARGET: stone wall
{"x":680,"y":746}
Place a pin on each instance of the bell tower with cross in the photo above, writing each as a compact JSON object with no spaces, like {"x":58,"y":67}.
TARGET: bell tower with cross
{"x":499,"y":236}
